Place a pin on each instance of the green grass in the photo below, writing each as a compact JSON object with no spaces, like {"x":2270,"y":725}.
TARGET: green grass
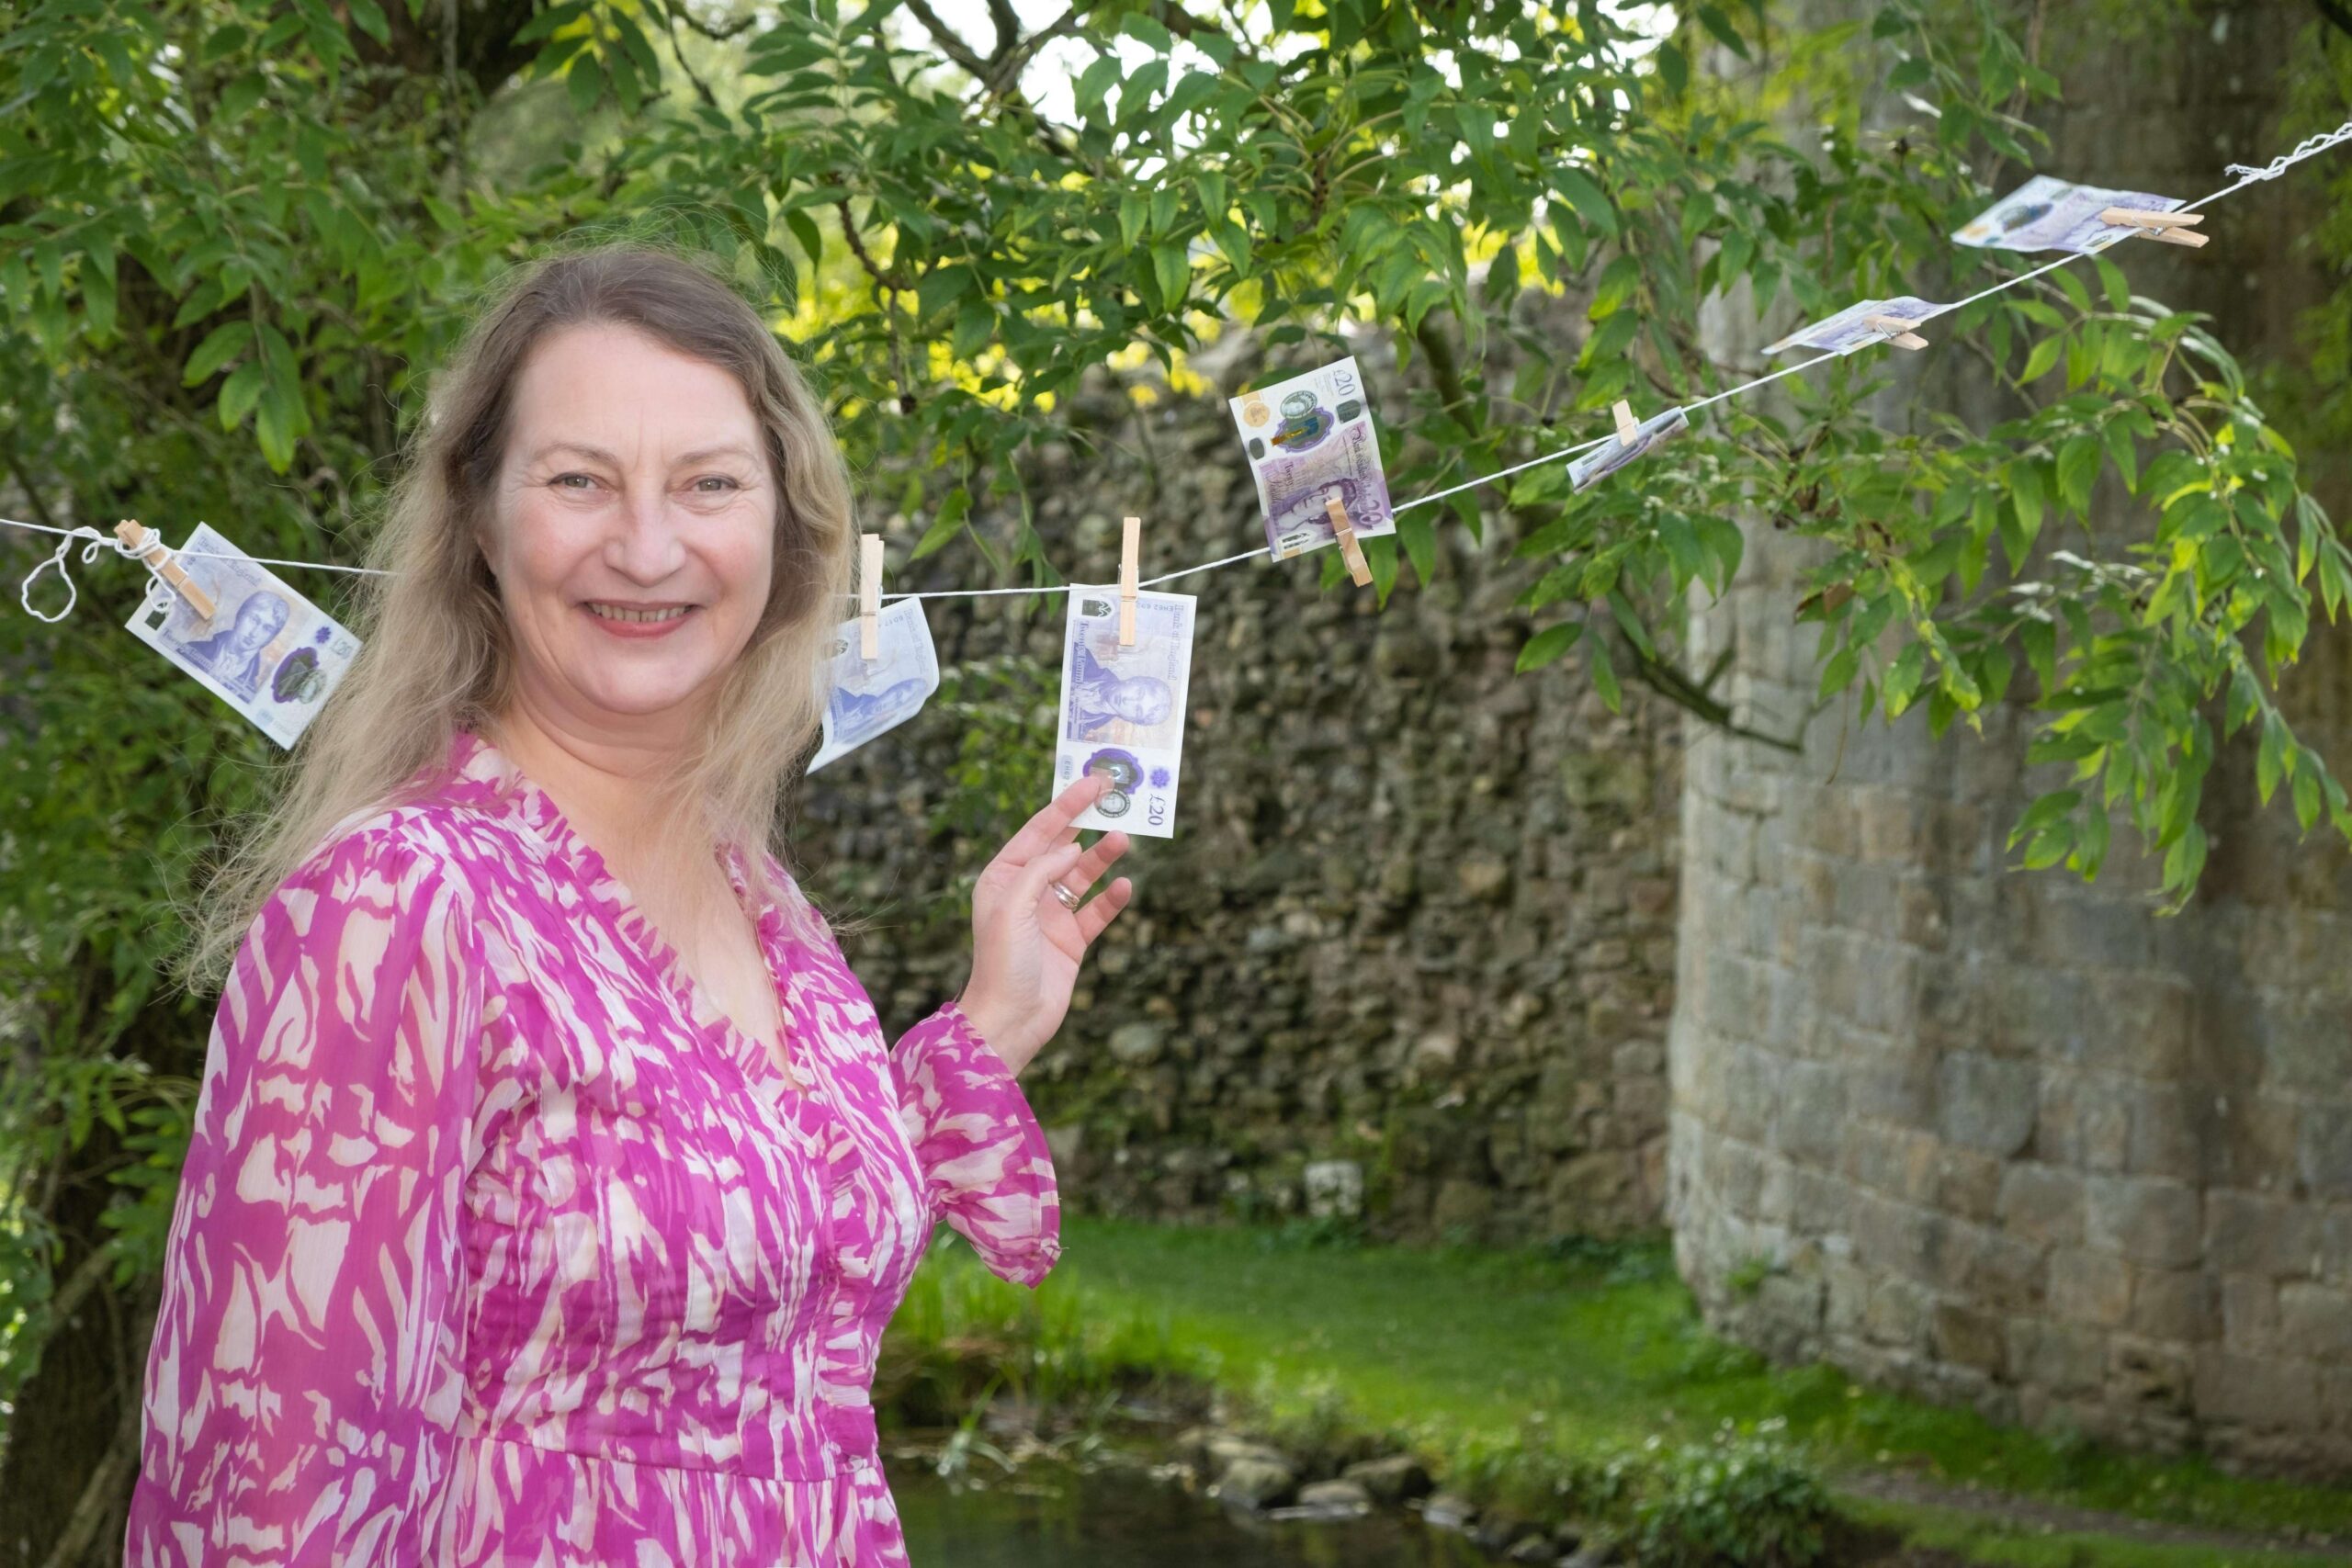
{"x":1588,"y":1353}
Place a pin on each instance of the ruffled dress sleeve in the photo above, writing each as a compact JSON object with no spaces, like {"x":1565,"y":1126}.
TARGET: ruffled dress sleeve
{"x":305,"y":1377}
{"x":986,"y":1171}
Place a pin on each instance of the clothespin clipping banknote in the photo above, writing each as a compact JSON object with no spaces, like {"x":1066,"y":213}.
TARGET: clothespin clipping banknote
{"x":869,"y":595}
{"x":1316,"y":459}
{"x":150,"y":547}
{"x":1633,"y":438}
{"x":244,"y":635}
{"x":1130,"y":566}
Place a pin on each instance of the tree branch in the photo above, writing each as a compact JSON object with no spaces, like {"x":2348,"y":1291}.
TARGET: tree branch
{"x":678,"y":13}
{"x":890,"y":280}
{"x":1698,"y":697}
{"x":949,"y":44}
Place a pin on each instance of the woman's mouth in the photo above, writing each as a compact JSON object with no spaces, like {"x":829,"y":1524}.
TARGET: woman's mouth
{"x":625,"y":620}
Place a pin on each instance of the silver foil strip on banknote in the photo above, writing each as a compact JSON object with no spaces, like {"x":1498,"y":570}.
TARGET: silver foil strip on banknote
{"x":1606,"y":459}
{"x":1123,"y":708}
{"x":266,"y":651}
{"x":866,"y":696}
{"x":1306,"y":438}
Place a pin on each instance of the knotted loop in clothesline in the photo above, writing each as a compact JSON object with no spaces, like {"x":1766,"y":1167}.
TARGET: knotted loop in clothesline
{"x":57,"y":559}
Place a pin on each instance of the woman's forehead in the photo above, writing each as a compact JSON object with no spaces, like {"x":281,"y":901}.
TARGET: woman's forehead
{"x":616,"y":394}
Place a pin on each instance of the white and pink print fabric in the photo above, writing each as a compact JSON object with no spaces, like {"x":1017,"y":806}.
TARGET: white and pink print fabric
{"x":496,"y":1244}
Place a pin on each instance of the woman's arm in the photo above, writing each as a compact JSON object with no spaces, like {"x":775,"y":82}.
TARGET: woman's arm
{"x":986,"y":1168}
{"x":305,"y":1373}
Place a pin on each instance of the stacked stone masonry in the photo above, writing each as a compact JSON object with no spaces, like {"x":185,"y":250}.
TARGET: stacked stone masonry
{"x":1408,"y":959}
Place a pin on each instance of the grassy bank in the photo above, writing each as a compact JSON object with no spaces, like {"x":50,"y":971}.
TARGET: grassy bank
{"x":1525,"y":1372}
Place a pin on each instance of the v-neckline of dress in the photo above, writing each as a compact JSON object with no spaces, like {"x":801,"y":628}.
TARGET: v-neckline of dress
{"x":539,"y":812}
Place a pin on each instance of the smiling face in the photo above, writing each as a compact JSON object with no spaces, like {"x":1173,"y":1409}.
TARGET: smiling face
{"x":633,"y":529}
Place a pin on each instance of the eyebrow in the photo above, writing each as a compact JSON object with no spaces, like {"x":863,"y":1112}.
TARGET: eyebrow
{"x":725,"y":449}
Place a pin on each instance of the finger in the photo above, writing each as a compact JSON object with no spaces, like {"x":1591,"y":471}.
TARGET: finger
{"x":1102,"y":908}
{"x":1096,"y":861}
{"x":1039,"y":833}
{"x":1050,"y":866}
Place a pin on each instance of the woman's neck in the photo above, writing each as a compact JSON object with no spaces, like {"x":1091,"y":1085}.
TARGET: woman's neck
{"x":610,"y":787}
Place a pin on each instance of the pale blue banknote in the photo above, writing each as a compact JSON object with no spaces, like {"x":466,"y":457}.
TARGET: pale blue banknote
{"x":1605,"y":460}
{"x":863,"y":697}
{"x":2045,"y":214}
{"x":1308,"y":438}
{"x":1849,"y":329}
{"x":1123,"y":708}
{"x":266,"y":651}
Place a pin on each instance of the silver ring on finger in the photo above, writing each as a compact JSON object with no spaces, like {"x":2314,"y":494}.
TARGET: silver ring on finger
{"x":1068,"y":899}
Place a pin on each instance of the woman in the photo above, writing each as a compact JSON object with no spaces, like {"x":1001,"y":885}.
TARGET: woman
{"x":551,"y":1178}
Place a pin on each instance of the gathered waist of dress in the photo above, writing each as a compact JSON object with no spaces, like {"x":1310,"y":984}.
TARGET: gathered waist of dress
{"x":807,"y":1444}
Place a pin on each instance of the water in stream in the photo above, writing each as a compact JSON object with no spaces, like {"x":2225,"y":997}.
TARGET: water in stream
{"x":1055,"y":1517}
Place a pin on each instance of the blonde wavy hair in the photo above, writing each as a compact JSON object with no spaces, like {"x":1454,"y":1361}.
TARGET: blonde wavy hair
{"x":437,"y":654}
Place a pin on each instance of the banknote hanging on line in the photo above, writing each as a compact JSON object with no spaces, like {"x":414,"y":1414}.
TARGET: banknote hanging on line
{"x":866,"y":696}
{"x":1122,"y":711}
{"x":266,"y":650}
{"x":2046,"y":214}
{"x":1852,"y":328}
{"x":1616,"y":452}
{"x":1306,"y":438}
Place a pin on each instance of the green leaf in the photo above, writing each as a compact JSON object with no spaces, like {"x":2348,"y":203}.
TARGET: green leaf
{"x":1418,"y":534}
{"x":1168,"y":264}
{"x":1672,"y":68}
{"x":2078,"y":462}
{"x":1715,"y":22}
{"x":1604,"y":673}
{"x":974,"y":327}
{"x":240,"y":392}
{"x":1902,"y":678}
{"x":1631,"y":622}
{"x":950,"y":520}
{"x":1837,"y":673}
{"x":239,"y":97}
{"x":2044,"y":356}
{"x":221,"y":346}
{"x":1547,"y":645}
{"x":1591,"y":203}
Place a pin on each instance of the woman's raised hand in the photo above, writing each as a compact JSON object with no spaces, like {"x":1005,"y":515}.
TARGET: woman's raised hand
{"x":1026,"y":944}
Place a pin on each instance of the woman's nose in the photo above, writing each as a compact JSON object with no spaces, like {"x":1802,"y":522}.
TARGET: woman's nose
{"x":646,"y":545}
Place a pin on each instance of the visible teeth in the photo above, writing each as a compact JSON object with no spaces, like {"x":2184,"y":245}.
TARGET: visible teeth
{"x":617,"y":612}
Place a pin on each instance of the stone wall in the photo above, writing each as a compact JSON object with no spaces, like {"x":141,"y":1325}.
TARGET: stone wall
{"x":1413,"y":943}
{"x":2001,"y":1138}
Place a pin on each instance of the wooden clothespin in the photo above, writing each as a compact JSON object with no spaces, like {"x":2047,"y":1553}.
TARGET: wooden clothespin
{"x":2174,"y":228}
{"x":148,"y":545}
{"x":869,"y":593}
{"x":1629,"y":429}
{"x":1130,"y":549}
{"x":1358,"y":567}
{"x":1898,"y":331}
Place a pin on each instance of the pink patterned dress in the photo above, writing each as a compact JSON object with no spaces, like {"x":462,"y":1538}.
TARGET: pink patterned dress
{"x":497,"y":1245}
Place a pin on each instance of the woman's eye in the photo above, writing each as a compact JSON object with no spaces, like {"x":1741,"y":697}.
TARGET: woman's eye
{"x":719,"y":480}
{"x":560,"y":481}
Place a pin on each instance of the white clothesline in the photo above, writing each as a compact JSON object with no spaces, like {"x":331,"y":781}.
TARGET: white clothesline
{"x":2247,"y":174}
